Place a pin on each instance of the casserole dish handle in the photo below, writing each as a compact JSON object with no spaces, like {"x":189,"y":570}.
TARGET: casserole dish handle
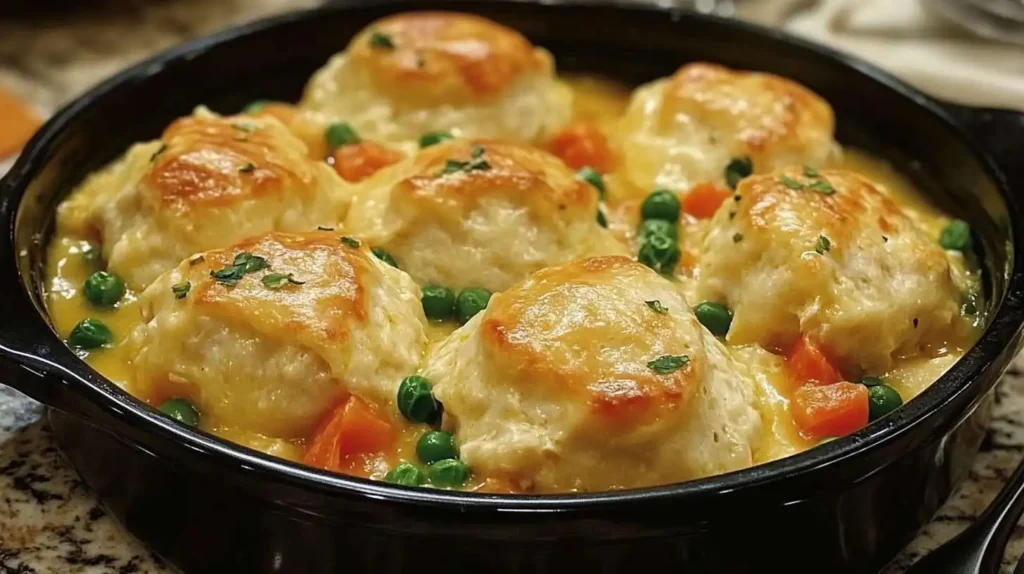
{"x":1001,"y":132}
{"x":31,"y":355}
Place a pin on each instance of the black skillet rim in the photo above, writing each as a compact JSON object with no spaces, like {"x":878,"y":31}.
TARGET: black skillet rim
{"x":1005,"y":321}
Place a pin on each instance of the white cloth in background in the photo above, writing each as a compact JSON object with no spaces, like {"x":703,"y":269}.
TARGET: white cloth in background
{"x":906,"y":39}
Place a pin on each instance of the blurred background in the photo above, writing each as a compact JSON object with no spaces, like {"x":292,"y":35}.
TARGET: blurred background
{"x":971,"y":51}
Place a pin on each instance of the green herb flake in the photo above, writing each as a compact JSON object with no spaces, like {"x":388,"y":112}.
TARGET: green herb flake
{"x":247,"y":128}
{"x":229,"y":275}
{"x":250,"y":263}
{"x":666,"y":364}
{"x":323,"y":228}
{"x":353,"y":243}
{"x":278,"y":280}
{"x":810,"y":171}
{"x":737,"y":237}
{"x":477,"y":163}
{"x":822,"y":186}
{"x":791,"y":183}
{"x":181,"y":289}
{"x":381,"y":40}
{"x":823,"y":246}
{"x":657,"y":307}
{"x":247,"y":168}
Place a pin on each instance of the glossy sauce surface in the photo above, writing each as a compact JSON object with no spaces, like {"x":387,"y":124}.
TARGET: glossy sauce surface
{"x":600,"y":102}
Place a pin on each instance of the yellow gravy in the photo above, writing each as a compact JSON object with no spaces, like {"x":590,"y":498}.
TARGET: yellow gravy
{"x":597,"y":101}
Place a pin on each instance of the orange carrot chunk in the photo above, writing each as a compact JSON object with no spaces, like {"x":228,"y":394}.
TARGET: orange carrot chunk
{"x":352,"y":428}
{"x":356,"y":162}
{"x":704,"y":200}
{"x":17,"y":124}
{"x":581,"y":145}
{"x":363,"y":432}
{"x":808,"y":363}
{"x":830,"y":410}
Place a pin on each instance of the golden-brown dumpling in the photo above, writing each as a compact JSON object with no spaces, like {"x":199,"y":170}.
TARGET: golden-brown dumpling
{"x":208,"y":182}
{"x":419,"y":72}
{"x":829,"y":255}
{"x":272,"y":359}
{"x":593,"y":375}
{"x":479,"y":214}
{"x":683,"y":130}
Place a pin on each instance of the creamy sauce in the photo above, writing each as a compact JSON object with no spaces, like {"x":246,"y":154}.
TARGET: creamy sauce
{"x":597,"y":101}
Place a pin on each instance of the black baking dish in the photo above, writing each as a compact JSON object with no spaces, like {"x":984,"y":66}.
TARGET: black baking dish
{"x":210,"y":506}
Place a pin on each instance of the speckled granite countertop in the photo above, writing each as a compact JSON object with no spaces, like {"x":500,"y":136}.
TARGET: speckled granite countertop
{"x":49,"y":521}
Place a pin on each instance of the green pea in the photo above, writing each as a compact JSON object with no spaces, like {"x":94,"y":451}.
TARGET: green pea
{"x":438,"y":302}
{"x":182,"y":411}
{"x":450,"y":472}
{"x":255,"y":106}
{"x":433,"y":138}
{"x":339,"y":134}
{"x":957,"y":236}
{"x":658,"y":227}
{"x":661,"y":204}
{"x":871,"y":381}
{"x":405,"y":474}
{"x":471,"y":301}
{"x":436,"y":445}
{"x":416,"y":402}
{"x":90,"y":334}
{"x":660,"y":253}
{"x":714,"y":316}
{"x":738,"y":168}
{"x":882,"y":400}
{"x":384,"y":256}
{"x":103,"y":289}
{"x":591,"y":176}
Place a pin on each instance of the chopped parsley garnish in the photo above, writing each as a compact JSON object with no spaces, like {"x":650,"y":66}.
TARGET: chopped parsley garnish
{"x":247,"y":128}
{"x":247,"y":168}
{"x":477,"y":163}
{"x":657,"y":307}
{"x":810,"y":171}
{"x":250,"y":262}
{"x":322,"y":228}
{"x":181,"y":289}
{"x":666,"y":364}
{"x":791,"y":183}
{"x":353,"y":243}
{"x":823,"y":245}
{"x":196,"y":260}
{"x":229,"y":275}
{"x":381,"y":40}
{"x":278,"y":280}
{"x":737,"y":237}
{"x":163,"y":148}
{"x":822,"y":186}
{"x":243,"y":263}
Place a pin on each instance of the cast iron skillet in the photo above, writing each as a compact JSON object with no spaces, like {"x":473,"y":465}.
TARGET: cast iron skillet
{"x":210,"y":506}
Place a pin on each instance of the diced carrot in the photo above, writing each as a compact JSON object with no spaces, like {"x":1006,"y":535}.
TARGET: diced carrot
{"x":704,"y":200}
{"x":808,"y":363}
{"x":581,"y":145}
{"x":363,"y":432}
{"x":351,"y":429}
{"x":830,"y":410}
{"x":356,"y":162}
{"x":17,"y":124}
